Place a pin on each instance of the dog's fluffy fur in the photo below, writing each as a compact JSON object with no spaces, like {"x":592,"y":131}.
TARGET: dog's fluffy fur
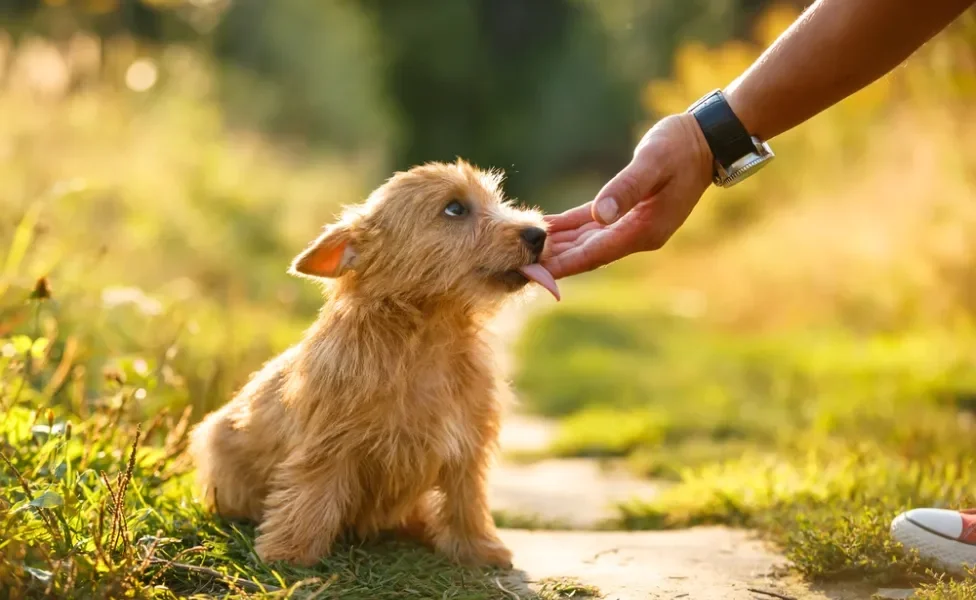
{"x":386,"y":415}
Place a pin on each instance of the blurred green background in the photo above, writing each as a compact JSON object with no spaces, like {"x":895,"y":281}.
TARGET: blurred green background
{"x":185,"y":150}
{"x":799,"y":357}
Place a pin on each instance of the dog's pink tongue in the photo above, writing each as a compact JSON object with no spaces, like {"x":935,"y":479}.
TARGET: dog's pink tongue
{"x":540,"y":275}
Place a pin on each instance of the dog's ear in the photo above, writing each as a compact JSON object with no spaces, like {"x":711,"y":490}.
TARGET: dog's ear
{"x":330,"y":255}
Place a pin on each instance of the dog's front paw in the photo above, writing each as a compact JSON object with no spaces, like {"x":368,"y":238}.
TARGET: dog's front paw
{"x":271,"y":550}
{"x":495,"y":554}
{"x":484,"y":552}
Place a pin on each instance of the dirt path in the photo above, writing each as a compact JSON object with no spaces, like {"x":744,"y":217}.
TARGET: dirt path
{"x":698,"y":564}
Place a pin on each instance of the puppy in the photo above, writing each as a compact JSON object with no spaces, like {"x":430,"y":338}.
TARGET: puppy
{"x":386,"y":415}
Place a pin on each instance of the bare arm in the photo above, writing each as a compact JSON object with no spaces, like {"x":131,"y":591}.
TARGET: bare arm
{"x":836,"y":48}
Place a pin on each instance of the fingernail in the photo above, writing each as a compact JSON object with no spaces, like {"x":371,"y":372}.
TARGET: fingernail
{"x":607,"y":209}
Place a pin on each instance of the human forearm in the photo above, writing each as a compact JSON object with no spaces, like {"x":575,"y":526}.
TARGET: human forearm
{"x":834,"y":50}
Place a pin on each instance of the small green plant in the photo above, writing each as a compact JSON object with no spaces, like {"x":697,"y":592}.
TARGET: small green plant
{"x":564,"y":588}
{"x":510,"y":520}
{"x":945,"y":588}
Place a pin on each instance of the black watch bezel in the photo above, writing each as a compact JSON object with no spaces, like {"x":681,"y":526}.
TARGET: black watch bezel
{"x":724,"y":133}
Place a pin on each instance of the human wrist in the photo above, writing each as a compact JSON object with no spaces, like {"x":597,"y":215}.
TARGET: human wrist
{"x":740,"y":101}
{"x":737,"y":152}
{"x":705,"y":160}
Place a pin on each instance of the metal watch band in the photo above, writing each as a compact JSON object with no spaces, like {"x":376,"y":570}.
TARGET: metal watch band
{"x":724,"y":132}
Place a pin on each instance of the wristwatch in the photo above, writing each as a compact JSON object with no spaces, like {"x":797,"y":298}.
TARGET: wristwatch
{"x":737,"y":154}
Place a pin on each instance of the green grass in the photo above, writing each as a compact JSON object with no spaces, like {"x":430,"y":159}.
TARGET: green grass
{"x":816,"y":438}
{"x":531,"y":522}
{"x":831,"y":509}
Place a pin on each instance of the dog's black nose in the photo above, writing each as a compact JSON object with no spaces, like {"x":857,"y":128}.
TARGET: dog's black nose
{"x":534,"y":238}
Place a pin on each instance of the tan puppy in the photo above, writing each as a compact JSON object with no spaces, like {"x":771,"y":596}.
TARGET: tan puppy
{"x":386,"y":415}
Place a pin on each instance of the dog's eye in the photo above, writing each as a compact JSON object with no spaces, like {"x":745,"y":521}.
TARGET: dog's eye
{"x":455,"y":209}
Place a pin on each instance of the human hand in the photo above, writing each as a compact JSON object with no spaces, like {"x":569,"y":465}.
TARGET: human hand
{"x":640,"y":208}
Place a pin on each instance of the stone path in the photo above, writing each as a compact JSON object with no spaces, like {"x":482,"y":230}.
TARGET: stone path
{"x":697,"y":564}
{"x":711,"y":563}
{"x":579,"y":493}
{"x":702,"y":563}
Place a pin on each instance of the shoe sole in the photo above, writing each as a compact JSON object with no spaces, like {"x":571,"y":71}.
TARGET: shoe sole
{"x":952,"y":555}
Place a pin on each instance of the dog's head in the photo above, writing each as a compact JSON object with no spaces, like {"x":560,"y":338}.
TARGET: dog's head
{"x":437,"y":230}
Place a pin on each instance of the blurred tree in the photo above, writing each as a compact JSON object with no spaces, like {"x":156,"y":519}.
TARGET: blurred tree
{"x":646,"y":34}
{"x":523,"y":86}
{"x":304,"y":69}
{"x":157,"y":20}
{"x":308,"y":69}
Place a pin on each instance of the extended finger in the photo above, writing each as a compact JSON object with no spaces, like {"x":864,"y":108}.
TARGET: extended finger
{"x":569,"y":235}
{"x":571,"y":219}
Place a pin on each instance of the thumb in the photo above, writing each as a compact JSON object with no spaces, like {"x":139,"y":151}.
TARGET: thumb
{"x":637,"y":181}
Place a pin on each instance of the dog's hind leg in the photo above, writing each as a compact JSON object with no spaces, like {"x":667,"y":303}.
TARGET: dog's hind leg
{"x":228,"y":485}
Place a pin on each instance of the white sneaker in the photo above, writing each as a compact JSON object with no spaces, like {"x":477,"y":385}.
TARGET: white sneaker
{"x":945,"y":537}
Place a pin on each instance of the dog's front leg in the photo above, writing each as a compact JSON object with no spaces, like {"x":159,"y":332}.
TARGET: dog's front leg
{"x":462,"y":526}
{"x":305,"y":511}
